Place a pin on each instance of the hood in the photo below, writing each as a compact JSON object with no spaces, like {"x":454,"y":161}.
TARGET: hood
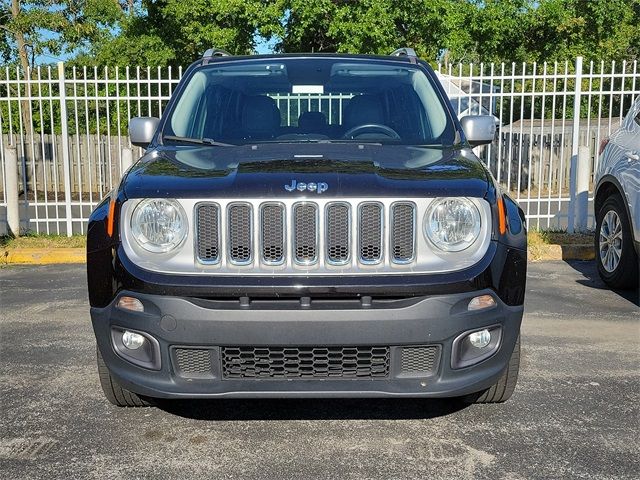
{"x":292,"y":170}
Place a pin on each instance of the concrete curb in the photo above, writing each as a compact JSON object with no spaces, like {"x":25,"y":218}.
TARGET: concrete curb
{"x":542,"y":253}
{"x":42,"y":256}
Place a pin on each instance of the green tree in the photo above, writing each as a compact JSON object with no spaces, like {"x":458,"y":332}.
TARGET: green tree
{"x":370,"y":26}
{"x":177,"y":32}
{"x":595,"y":29}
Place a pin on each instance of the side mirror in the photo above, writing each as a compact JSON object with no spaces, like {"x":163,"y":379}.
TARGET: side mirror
{"x":479,"y":129}
{"x":142,"y":129}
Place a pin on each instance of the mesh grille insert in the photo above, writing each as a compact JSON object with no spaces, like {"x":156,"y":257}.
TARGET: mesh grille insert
{"x":273,"y":233}
{"x":403,"y":232}
{"x":208,"y":233}
{"x":193,"y":361}
{"x":370,"y":225}
{"x":419,"y":360}
{"x":338,"y":233}
{"x":306,"y":228}
{"x":240,"y":233}
{"x":305,"y":362}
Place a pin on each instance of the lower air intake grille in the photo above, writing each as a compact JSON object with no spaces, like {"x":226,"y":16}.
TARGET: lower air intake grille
{"x":419,"y":360}
{"x":192,"y":362}
{"x":305,"y":362}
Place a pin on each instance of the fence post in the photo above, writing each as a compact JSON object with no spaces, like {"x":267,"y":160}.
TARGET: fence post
{"x":11,"y":187}
{"x":66,"y":160}
{"x":127,"y":159}
{"x":575,"y":143}
{"x":582,"y":188}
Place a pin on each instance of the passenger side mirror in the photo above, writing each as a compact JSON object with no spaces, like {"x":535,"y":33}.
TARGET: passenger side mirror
{"x":142,"y":129}
{"x":479,"y":129}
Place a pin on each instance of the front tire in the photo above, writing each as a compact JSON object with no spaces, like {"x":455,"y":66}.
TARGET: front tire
{"x":615,"y":255}
{"x":117,"y":395}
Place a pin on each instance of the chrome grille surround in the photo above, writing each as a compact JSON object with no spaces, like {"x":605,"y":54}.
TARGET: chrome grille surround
{"x":185,"y":260}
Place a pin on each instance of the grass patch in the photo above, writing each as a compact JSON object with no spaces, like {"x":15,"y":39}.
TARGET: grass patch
{"x":538,"y":240}
{"x":559,"y":237}
{"x":43,"y":241}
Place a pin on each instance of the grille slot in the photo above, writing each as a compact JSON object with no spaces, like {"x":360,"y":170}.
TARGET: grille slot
{"x":240,"y":233}
{"x":370,"y":228}
{"x":305,"y":362}
{"x":402,"y":232}
{"x":420,"y":360}
{"x":208,"y":233}
{"x":305,"y":218}
{"x":338,"y":233}
{"x":273,"y":234}
{"x":193,"y":362}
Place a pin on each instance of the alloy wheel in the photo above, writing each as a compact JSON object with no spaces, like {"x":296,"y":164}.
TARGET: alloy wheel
{"x":610,"y":241}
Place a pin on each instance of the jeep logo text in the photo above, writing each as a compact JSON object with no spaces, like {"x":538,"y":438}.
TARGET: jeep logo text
{"x":309,"y":187}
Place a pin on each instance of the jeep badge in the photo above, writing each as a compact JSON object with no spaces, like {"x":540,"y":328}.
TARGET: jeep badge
{"x":310,"y":187}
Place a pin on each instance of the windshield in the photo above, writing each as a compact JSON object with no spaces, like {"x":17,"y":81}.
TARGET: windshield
{"x":309,"y":100}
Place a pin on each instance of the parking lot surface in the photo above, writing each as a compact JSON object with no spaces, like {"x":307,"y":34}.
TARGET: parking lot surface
{"x":574,"y":414}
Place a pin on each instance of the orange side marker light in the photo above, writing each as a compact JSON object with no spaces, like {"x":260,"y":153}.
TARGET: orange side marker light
{"x":111,"y":217}
{"x":502,"y":219}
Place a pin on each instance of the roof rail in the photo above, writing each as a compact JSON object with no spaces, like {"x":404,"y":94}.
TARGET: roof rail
{"x":404,"y":52}
{"x":215,"y":52}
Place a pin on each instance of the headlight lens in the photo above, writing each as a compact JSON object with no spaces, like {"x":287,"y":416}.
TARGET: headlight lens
{"x":159,"y":224}
{"x":452,"y":224}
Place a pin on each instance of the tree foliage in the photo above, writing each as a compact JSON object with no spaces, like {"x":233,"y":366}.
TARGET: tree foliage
{"x":176,"y":32}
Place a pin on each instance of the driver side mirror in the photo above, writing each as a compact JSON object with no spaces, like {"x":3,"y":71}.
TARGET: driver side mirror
{"x":142,"y":129}
{"x":479,"y":129}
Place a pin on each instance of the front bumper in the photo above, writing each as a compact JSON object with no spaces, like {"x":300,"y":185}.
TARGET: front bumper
{"x":185,"y":322}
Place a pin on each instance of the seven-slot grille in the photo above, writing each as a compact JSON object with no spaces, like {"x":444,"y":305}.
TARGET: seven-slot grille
{"x":311,"y":232}
{"x":305,"y":362}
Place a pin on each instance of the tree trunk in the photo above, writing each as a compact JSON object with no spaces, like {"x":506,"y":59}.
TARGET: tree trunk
{"x":25,"y":106}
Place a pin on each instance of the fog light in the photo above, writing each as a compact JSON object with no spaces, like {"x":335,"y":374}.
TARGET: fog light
{"x":132,"y":340}
{"x":480,"y":339}
{"x":130,"y":303}
{"x":481,"y":302}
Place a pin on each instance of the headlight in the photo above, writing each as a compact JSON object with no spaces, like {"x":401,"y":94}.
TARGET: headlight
{"x":159,"y":224}
{"x":452,"y":224}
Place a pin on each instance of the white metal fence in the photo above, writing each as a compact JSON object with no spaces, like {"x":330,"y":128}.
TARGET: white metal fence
{"x":69,"y":125}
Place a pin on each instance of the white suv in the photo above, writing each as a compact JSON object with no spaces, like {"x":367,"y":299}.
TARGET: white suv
{"x":617,"y":204}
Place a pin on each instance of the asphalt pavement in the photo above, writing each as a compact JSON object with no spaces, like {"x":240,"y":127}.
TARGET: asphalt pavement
{"x":574,"y":414}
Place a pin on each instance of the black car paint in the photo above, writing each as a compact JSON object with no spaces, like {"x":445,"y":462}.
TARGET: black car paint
{"x":350,"y":169}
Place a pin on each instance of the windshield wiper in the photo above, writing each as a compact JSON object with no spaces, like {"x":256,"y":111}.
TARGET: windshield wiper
{"x":199,"y":141}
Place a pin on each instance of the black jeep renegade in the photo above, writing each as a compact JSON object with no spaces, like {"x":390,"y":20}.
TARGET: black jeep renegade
{"x":307,"y":226}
